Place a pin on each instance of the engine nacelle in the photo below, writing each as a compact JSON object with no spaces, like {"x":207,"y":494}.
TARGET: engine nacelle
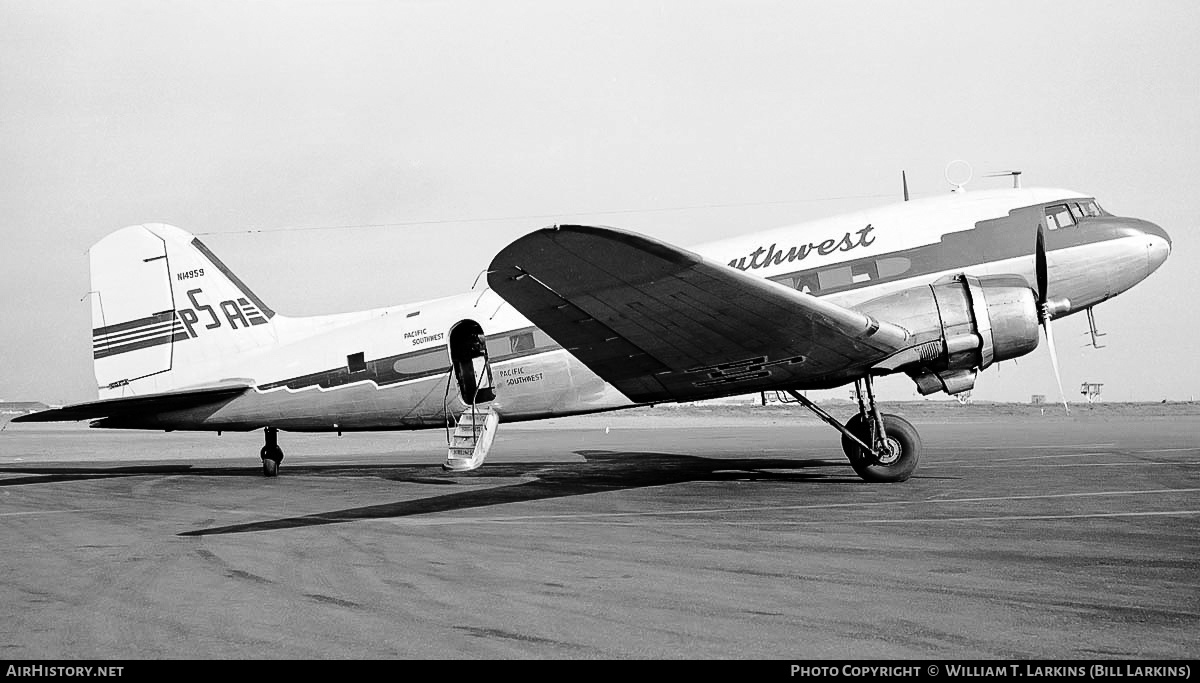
{"x":959,"y":325}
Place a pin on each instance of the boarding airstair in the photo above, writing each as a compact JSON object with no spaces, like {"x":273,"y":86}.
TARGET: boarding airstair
{"x":472,"y":438}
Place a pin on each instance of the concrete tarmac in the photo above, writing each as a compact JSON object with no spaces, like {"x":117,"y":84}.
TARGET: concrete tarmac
{"x":610,"y":536}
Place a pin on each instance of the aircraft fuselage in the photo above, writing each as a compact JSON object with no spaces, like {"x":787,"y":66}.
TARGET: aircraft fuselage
{"x":401,"y":368}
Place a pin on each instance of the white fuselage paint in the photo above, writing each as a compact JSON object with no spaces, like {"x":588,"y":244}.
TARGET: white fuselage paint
{"x":549,"y":382}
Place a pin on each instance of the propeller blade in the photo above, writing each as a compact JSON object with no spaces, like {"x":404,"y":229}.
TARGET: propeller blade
{"x":904,"y":181}
{"x":1040,"y":269}
{"x":1054,"y":363}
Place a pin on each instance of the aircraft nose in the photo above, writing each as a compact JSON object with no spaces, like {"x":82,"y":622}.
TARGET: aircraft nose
{"x":1158,"y":246}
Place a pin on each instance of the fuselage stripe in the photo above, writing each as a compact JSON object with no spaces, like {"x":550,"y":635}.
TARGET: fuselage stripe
{"x":997,"y":239}
{"x":133,"y":335}
{"x":133,"y":324}
{"x":428,"y":362}
{"x":146,"y":343}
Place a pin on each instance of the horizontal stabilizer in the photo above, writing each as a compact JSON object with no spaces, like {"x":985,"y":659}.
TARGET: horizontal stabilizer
{"x":133,"y":406}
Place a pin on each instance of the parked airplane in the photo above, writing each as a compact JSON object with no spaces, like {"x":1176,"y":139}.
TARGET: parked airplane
{"x":581,"y":319}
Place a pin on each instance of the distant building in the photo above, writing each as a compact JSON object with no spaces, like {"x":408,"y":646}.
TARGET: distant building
{"x":11,"y":409}
{"x":1037,"y":399}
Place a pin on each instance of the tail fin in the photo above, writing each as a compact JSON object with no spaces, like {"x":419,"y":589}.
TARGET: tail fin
{"x":166,"y":313}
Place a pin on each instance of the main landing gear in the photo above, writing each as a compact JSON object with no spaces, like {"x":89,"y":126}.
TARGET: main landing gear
{"x":881,"y":447}
{"x":271,"y":453}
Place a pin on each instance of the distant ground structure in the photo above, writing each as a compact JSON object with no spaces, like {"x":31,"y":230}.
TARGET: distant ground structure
{"x":1037,"y":399}
{"x":11,"y":409}
{"x":1092,"y":391}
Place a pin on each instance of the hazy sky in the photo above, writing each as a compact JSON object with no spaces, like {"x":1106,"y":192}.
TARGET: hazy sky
{"x":455,"y":127}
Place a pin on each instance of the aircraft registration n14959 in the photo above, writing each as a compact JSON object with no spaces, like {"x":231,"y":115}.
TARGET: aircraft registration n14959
{"x":580,"y":319}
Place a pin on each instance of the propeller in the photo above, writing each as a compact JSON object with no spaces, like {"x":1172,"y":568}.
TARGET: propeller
{"x":1045,"y":310}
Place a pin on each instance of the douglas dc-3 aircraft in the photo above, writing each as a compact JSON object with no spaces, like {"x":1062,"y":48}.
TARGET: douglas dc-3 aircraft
{"x":579,"y":319}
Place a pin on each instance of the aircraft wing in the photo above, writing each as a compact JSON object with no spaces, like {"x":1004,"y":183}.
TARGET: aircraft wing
{"x":662,"y":323}
{"x":126,"y":406}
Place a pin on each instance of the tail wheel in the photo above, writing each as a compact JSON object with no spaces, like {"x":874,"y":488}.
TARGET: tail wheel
{"x":900,"y":451}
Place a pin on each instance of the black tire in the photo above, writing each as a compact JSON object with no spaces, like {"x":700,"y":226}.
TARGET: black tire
{"x":902,"y":437}
{"x":858,"y":426}
{"x":271,"y":457}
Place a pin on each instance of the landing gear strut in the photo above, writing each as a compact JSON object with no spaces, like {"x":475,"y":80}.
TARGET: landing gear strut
{"x":881,"y":447}
{"x":271,"y":453}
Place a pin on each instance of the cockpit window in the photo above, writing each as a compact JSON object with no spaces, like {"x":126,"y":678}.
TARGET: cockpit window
{"x":1090,"y":208}
{"x":1059,"y":216}
{"x":1076,"y":211}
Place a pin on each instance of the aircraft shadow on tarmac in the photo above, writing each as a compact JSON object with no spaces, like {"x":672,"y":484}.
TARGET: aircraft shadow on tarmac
{"x":601,"y":471}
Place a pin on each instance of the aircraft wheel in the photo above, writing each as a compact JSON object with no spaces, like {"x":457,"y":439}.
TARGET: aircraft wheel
{"x":901,"y":452}
{"x":271,"y":457}
{"x":858,"y":426}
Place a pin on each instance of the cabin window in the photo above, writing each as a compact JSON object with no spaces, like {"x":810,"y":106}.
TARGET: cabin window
{"x":1058,"y":216}
{"x":521,"y":342}
{"x":807,"y":283}
{"x":356,"y":362}
{"x":864,"y":272}
{"x":421,"y":364}
{"x":893,"y":266}
{"x":835,"y":277}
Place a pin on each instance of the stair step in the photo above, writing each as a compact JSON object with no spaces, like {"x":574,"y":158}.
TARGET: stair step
{"x":471,"y":440}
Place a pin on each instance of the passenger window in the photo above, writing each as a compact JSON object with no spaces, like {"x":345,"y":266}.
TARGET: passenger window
{"x":423,"y":363}
{"x":835,"y":277}
{"x":893,"y":266}
{"x":356,"y":362}
{"x":521,"y":342}
{"x":863,"y":272}
{"x":807,"y":283}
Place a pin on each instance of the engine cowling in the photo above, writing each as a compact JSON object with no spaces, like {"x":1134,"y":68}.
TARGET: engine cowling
{"x":959,"y":325}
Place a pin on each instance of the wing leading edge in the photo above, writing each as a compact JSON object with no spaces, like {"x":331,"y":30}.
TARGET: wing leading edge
{"x":662,"y":323}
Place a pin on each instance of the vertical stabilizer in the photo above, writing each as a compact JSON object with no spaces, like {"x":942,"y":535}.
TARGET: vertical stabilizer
{"x":166,"y":313}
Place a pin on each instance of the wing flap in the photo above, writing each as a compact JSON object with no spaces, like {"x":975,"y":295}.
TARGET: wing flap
{"x":139,"y":405}
{"x":663,"y":323}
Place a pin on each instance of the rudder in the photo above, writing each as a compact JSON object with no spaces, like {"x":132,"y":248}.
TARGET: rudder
{"x":167,"y":313}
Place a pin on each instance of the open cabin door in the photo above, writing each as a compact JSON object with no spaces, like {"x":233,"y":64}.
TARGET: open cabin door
{"x":468,"y":355}
{"x":476,"y":427}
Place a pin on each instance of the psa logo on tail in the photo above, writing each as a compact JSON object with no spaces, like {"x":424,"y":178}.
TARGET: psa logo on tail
{"x":237,"y":314}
